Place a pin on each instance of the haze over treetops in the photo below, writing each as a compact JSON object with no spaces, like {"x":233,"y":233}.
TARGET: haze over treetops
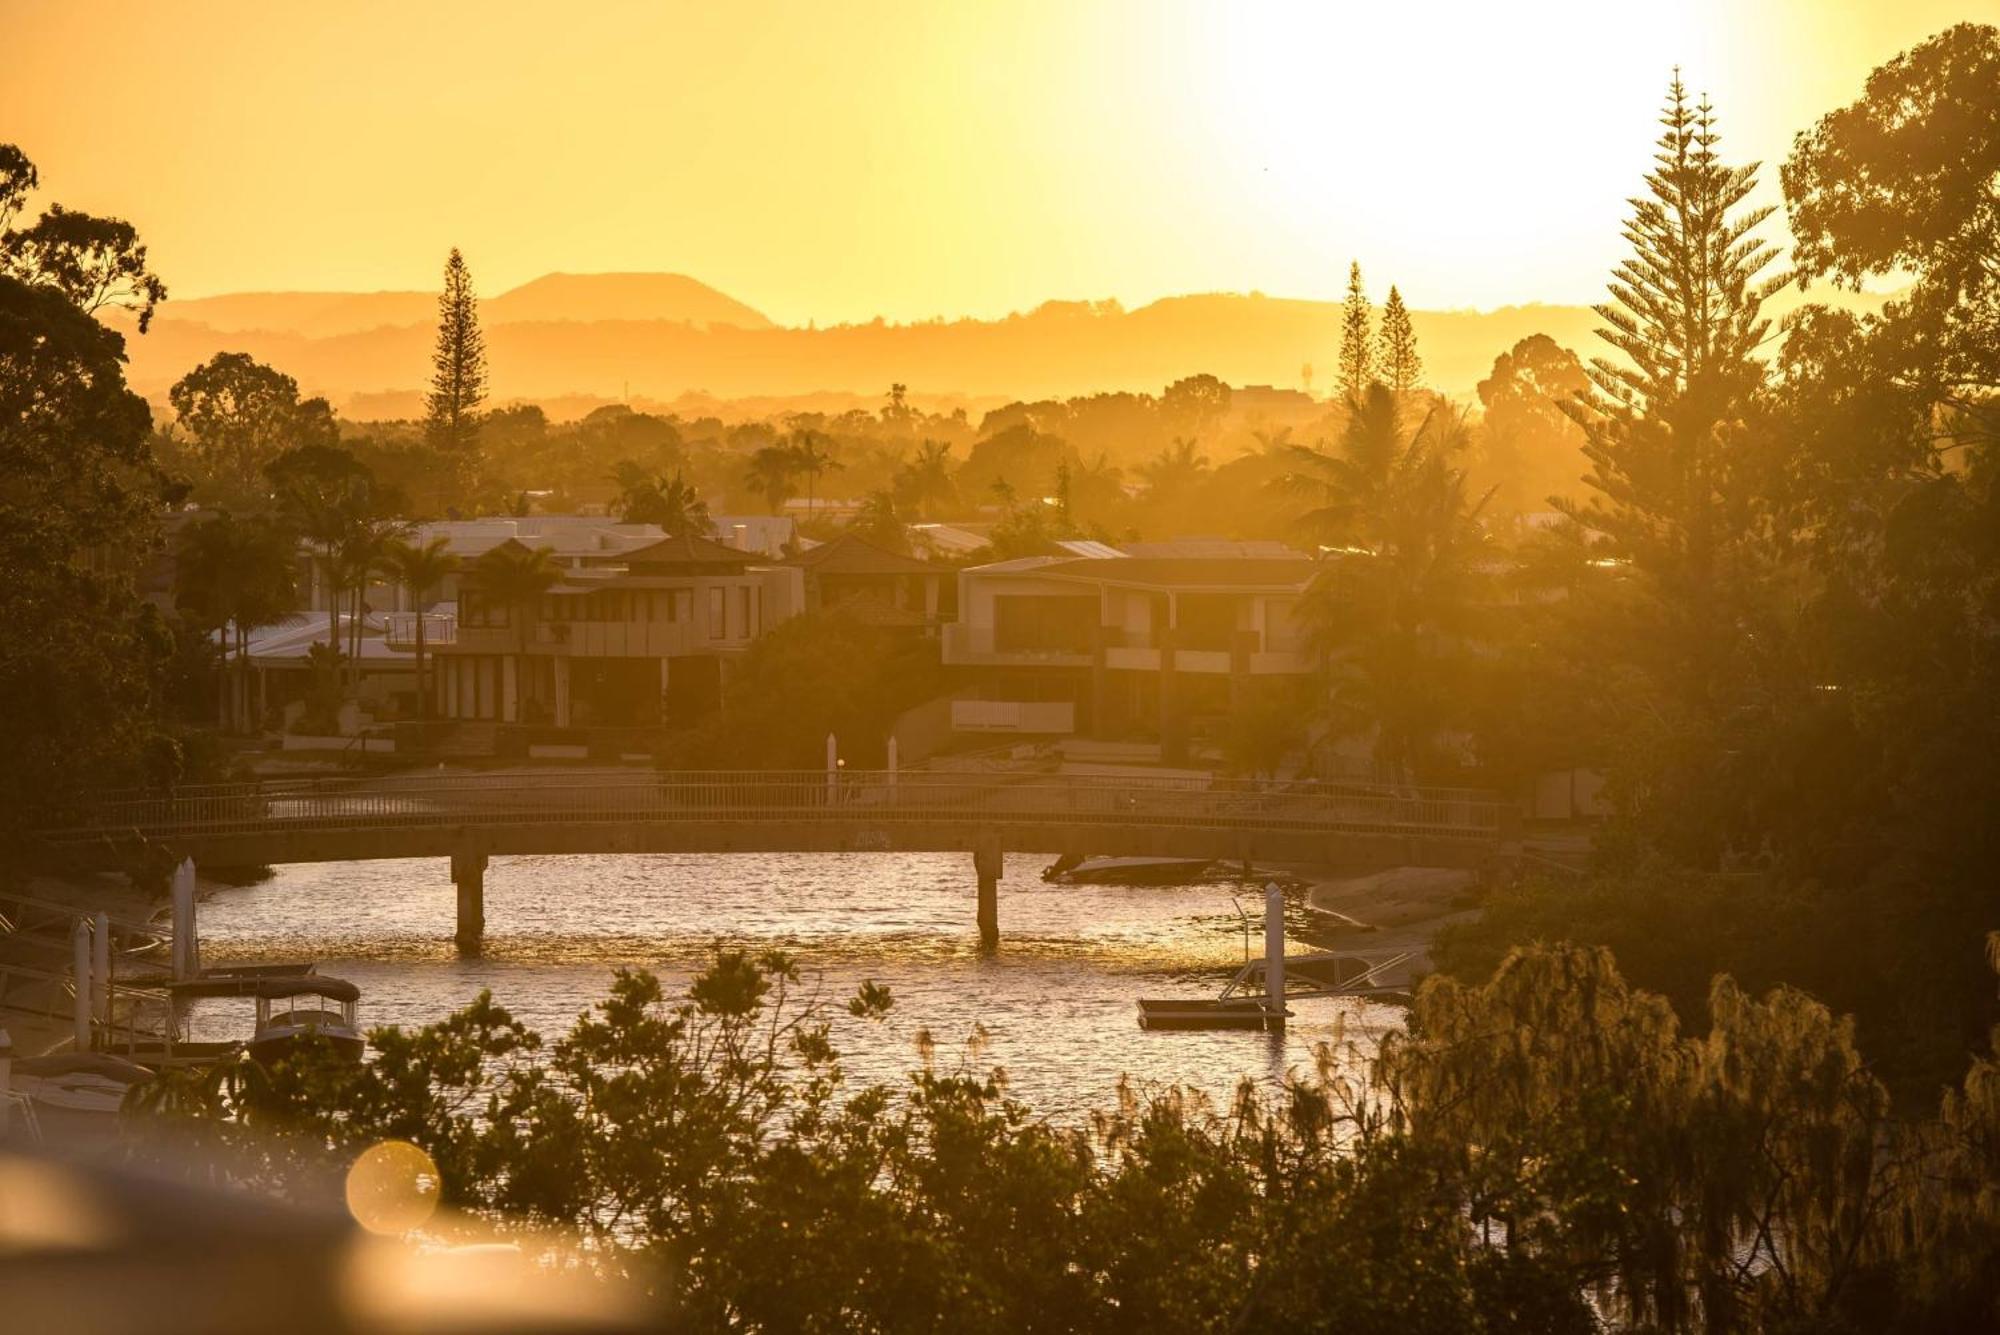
{"x":569,"y":340}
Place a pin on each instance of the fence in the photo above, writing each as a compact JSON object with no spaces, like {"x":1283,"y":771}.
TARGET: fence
{"x":873,"y":797}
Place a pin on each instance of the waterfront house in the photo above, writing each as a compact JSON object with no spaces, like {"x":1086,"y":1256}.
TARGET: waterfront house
{"x":632,"y":638}
{"x":1141,"y":640}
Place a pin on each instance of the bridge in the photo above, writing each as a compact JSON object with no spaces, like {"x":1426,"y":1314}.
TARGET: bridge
{"x":471,"y":818}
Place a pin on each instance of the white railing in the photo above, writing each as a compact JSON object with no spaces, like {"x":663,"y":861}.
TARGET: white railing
{"x":400,"y":628}
{"x":870,"y":797}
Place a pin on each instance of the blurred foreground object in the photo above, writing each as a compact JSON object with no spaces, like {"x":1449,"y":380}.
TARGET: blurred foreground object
{"x":100,"y":1251}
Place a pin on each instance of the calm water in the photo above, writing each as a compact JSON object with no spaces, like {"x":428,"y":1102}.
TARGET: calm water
{"x":1057,"y":1003}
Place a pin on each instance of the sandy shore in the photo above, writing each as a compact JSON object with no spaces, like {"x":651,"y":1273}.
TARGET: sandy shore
{"x":1388,"y":913}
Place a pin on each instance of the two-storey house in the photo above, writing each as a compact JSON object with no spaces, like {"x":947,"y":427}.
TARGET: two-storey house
{"x":1140,"y":640}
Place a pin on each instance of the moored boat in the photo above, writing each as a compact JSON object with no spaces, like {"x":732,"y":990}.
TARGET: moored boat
{"x":293,"y":1010}
{"x":1128,"y":871}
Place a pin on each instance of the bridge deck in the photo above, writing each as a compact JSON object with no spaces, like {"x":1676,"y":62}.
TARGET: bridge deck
{"x":423,"y":815}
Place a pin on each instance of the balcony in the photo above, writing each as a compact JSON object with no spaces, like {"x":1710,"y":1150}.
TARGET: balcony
{"x":400,"y":628}
{"x":976,"y":646}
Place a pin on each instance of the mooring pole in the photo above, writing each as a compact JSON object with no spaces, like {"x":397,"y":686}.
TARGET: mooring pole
{"x":832,"y":768}
{"x":1274,"y":955}
{"x":100,"y":968}
{"x":988,"y":861}
{"x":468,"y":873}
{"x":79,"y":939}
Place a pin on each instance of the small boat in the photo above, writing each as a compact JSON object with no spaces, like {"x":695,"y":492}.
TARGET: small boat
{"x":1128,"y":871}
{"x":307,"y":1015}
{"x":1205,"y":1013}
{"x":93,"y":1082}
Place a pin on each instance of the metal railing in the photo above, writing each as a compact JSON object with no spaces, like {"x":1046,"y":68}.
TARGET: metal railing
{"x":868,"y":797}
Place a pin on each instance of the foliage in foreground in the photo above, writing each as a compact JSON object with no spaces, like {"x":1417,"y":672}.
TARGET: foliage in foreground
{"x":1546,"y":1151}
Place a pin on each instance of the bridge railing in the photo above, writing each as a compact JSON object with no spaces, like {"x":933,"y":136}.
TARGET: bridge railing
{"x":806,"y":795}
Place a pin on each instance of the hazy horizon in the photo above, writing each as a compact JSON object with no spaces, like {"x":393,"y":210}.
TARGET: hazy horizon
{"x":1187,"y":150}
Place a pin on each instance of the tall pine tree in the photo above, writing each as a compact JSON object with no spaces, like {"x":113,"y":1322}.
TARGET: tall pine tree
{"x":1680,"y":489}
{"x":1397,"y":352}
{"x":1357,"y":350}
{"x":458,"y":372}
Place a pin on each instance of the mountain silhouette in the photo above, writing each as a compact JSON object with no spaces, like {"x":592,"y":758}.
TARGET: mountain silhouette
{"x":579,"y":337}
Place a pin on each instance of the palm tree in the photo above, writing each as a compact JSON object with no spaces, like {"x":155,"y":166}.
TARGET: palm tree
{"x":671,"y":502}
{"x":1352,"y":481}
{"x":419,"y":570}
{"x":1393,"y":615}
{"x":925,"y":484}
{"x":878,"y":522}
{"x":770,"y":474}
{"x":516,"y":578}
{"x":811,"y":460}
{"x":360,"y":557}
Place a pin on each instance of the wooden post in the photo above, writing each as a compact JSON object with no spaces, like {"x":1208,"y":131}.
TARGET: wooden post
{"x":1274,"y":957}
{"x":100,"y":968}
{"x":989,"y":862}
{"x":468,"y":873}
{"x":79,"y":939}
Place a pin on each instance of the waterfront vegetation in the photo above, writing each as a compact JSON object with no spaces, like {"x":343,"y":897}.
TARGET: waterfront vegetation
{"x":1545,"y":1151}
{"x":1768,"y":614}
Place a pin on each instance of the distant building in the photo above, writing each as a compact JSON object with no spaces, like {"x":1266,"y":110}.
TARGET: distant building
{"x":1143,"y":639}
{"x":635,"y":638}
{"x":879,"y":587}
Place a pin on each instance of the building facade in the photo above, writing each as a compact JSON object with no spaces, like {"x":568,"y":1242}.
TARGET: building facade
{"x":638,"y":638}
{"x":1143,"y":641}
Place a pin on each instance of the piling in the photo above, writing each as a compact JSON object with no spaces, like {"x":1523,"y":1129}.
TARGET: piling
{"x":79,"y":940}
{"x":100,"y":968}
{"x":988,"y":861}
{"x":1274,"y":955}
{"x":468,"y":873}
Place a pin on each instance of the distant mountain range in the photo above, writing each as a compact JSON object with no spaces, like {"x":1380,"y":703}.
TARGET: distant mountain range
{"x":573,"y":340}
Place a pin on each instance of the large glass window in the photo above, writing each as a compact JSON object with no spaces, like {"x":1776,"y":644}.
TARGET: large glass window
{"x":1030,"y":623}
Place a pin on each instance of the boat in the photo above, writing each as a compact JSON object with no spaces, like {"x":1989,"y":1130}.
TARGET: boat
{"x":1127,"y":871}
{"x":91,"y":1082}
{"x":306,"y":1014}
{"x":1211,"y":1013}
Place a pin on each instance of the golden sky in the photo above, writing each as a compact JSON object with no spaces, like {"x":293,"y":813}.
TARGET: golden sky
{"x":839,"y":159}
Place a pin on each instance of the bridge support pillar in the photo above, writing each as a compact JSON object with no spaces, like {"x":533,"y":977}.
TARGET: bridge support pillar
{"x":468,"y":873}
{"x":987,"y":861}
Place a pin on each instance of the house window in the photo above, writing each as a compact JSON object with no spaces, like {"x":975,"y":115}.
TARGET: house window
{"x":683,"y":605}
{"x":743,"y":612}
{"x":718,"y":613}
{"x":475,"y":610}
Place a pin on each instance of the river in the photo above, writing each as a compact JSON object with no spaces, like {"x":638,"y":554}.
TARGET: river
{"x":1055,"y":1007}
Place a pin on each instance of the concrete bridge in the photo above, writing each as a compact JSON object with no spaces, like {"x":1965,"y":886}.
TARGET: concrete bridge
{"x":469,"y":819}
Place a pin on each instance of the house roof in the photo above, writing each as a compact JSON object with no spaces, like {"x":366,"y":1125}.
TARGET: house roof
{"x":850,"y":555}
{"x":686,"y":551}
{"x":1185,"y":572}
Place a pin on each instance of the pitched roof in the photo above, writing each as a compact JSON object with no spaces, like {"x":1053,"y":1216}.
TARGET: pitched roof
{"x":1189,"y":572}
{"x":687,"y":550}
{"x":849,"y":555}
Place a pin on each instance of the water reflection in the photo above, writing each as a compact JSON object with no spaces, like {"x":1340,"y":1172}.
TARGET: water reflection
{"x":1057,"y":1003}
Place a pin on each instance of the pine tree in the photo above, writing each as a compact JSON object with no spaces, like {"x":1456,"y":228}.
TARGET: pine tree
{"x":1685,"y":311}
{"x":1680,"y":461}
{"x":458,"y":376}
{"x":1357,"y":353}
{"x":1397,"y":349}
